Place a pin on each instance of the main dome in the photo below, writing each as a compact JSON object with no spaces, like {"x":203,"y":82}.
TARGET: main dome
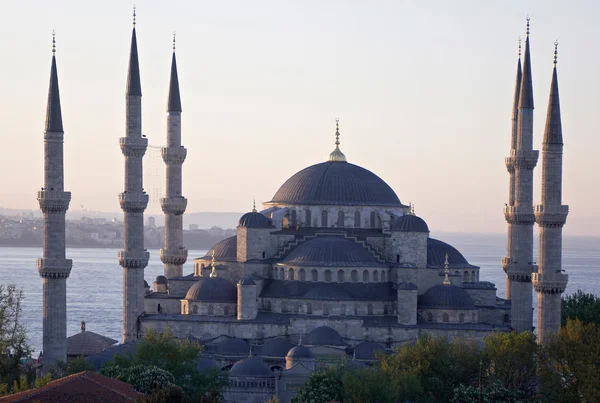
{"x":336,"y":183}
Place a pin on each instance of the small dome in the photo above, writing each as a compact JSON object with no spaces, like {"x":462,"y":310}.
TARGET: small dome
{"x":204,"y":364}
{"x":327,"y":291}
{"x":212,"y":289}
{"x":444,"y":296}
{"x":300,"y":352}
{"x":324,"y":336}
{"x":367,"y":350}
{"x":410,"y":223}
{"x":247,"y":280}
{"x":161,"y":280}
{"x":253,"y":367}
{"x":255,"y":219}
{"x":332,"y":251}
{"x":224,"y":250}
{"x":276,"y":348}
{"x":436,"y":255}
{"x":233,"y":346}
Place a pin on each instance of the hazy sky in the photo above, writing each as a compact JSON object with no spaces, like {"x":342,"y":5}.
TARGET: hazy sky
{"x":423,"y":90}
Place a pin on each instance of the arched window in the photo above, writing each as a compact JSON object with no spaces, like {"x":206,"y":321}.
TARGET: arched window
{"x":429,"y":317}
{"x":291,"y":274}
{"x":354,"y":276}
{"x":185,"y":311}
{"x":314,"y":275}
{"x":211,"y":309}
{"x":461,"y":318}
{"x":309,"y":308}
{"x":375,"y":276}
{"x":446,"y":317}
{"x":370,"y":309}
{"x":342,"y":309}
{"x":269,"y":306}
{"x":357,"y":219}
{"x":324,"y":218}
{"x":325,"y":309}
{"x":195,"y":309}
{"x":301,"y":275}
{"x":473,"y":278}
{"x":386,"y":309}
{"x":383,"y":276}
{"x":284,"y":307}
{"x":340,"y":219}
{"x":397,"y":258}
{"x":294,"y":219}
{"x":282,"y":274}
{"x":307,"y":218}
{"x":365,"y":276}
{"x":327,"y":276}
{"x":226,"y":310}
{"x":506,"y":318}
{"x":466,"y":277}
{"x":473,"y":318}
{"x":356,"y":309}
{"x":340,"y":276}
{"x":372,"y":220}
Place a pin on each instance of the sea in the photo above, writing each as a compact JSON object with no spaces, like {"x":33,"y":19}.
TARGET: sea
{"x":95,"y":294}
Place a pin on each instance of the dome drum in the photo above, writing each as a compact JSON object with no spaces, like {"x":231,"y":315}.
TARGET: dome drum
{"x":208,"y":308}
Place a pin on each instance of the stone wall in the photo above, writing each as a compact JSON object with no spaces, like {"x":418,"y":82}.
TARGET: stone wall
{"x":332,"y":307}
{"x":408,"y":247}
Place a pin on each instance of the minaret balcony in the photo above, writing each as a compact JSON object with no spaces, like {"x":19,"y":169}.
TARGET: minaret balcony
{"x":523,"y":159}
{"x":174,"y":256}
{"x":550,"y":283}
{"x":519,"y":214}
{"x":54,"y":201}
{"x":54,"y":268}
{"x":133,"y":259}
{"x":133,"y":202}
{"x":551,"y":216}
{"x":173,"y":205}
{"x":133,"y":146}
{"x":173,"y":155}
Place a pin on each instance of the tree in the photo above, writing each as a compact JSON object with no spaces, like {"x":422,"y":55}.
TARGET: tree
{"x":489,"y":394}
{"x":581,"y":306}
{"x":169,"y":394}
{"x":371,"y":385}
{"x":321,"y":387}
{"x":72,"y":366}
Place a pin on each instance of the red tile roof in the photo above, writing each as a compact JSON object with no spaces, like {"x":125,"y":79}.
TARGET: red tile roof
{"x":83,"y":387}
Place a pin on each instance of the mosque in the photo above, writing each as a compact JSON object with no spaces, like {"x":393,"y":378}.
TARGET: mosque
{"x":332,"y":268}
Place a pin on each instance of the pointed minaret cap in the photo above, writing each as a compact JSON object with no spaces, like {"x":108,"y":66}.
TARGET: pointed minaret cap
{"x":526,"y":91}
{"x":174,"y":102}
{"x":53,"y":111}
{"x":134,"y":86}
{"x":553,"y":132}
{"x":337,"y":155}
{"x":513,"y":143}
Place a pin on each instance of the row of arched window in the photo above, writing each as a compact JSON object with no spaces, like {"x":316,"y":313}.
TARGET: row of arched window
{"x":327,"y":309}
{"x":267,"y":383}
{"x":340,"y":219}
{"x":368,"y":276}
{"x":210,"y":310}
{"x":469,"y":278}
{"x":446,"y":317}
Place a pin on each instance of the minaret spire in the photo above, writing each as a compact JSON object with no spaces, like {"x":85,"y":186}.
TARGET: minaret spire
{"x":53,"y":111}
{"x":174,"y":103}
{"x":553,"y":132}
{"x":526,"y":95}
{"x":134,"y":86}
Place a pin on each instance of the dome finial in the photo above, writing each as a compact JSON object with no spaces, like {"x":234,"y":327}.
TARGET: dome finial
{"x":53,"y":42}
{"x":519,"y":47}
{"x":337,"y":155}
{"x":555,"y":52}
{"x":174,"y":33}
{"x":446,"y":271}
{"x":528,"y":24}
{"x":254,"y":206}
{"x":134,"y":15}
{"x":213,"y":272}
{"x":251,"y":354}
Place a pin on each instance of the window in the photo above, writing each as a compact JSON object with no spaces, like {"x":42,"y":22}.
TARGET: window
{"x":370,"y":309}
{"x":226,"y":310}
{"x":375,"y":276}
{"x":309,"y":308}
{"x":386,"y":309}
{"x":195,"y":309}
{"x":282,"y":274}
{"x":314,"y":275}
{"x":429,"y":317}
{"x":211,"y":310}
{"x":357,"y":219}
{"x":340,"y":276}
{"x":356,"y":309}
{"x":365,"y":276}
{"x":301,"y":275}
{"x":383,"y":276}
{"x":397,"y":258}
{"x":307,"y":218}
{"x":372,"y":219}
{"x":291,"y":274}
{"x":473,"y":318}
{"x":263,"y":255}
{"x":158,"y":308}
{"x":294,"y":218}
{"x":446,"y":317}
{"x":340,"y":219}
{"x":327,"y":276}
{"x":461,"y":318}
{"x":185,"y":310}
{"x":354,"y":276}
{"x":325,"y":309}
{"x":473,"y":278}
{"x":506,"y":318}
{"x":268,"y":305}
{"x":324,"y":218}
{"x":466,"y":277}
{"x":284,"y":306}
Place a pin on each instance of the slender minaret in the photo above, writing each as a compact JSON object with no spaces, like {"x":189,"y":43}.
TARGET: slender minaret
{"x":523,"y":158}
{"x":134,"y":258}
{"x":174,"y":254}
{"x":53,"y":267}
{"x":550,"y":281}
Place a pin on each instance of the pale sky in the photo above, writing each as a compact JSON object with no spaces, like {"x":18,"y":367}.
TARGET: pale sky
{"x":423,"y":90}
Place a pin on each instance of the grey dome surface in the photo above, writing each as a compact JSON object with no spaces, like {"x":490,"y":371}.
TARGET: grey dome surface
{"x":325,"y":291}
{"x":444,"y":296}
{"x":410,"y":223}
{"x":367,"y":349}
{"x":251,"y":367}
{"x":276,"y":348}
{"x":233,"y":346}
{"x":212,"y":289}
{"x":436,"y":255}
{"x":255,"y":220}
{"x":161,"y":280}
{"x":300,"y":352}
{"x":332,"y":251}
{"x":247,"y":280}
{"x":336,"y":183}
{"x":224,"y":250}
{"x":204,"y":364}
{"x":324,"y":336}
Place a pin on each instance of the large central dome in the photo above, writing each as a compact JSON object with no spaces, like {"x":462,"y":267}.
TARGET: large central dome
{"x":337,"y":183}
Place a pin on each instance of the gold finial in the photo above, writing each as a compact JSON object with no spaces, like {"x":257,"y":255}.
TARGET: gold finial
{"x":174,"y":33}
{"x":412,"y":209}
{"x":337,"y":155}
{"x":446,"y":271}
{"x":134,"y":15}
{"x":213,"y":272}
{"x":519,"y":47}
{"x":53,"y":42}
{"x":528,"y":19}
{"x":555,"y":51}
{"x":254,"y":206}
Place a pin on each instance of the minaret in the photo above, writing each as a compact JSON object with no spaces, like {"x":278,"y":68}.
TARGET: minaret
{"x":510,"y":166}
{"x":519,"y":265}
{"x":174,"y":254}
{"x":53,"y":267}
{"x":550,"y":281}
{"x":134,"y":258}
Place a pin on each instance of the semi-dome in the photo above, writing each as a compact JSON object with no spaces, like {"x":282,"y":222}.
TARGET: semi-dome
{"x":324,"y":336}
{"x":212,"y":289}
{"x":445,"y":296}
{"x":161,"y":280}
{"x":367,"y":350}
{"x":332,"y":251}
{"x":436,"y":255}
{"x":277,"y":347}
{"x":252,"y":367}
{"x":336,"y":183}
{"x":233,"y":346}
{"x":410,"y":223}
{"x":255,"y":219}
{"x":224,"y":250}
{"x":300,"y":352}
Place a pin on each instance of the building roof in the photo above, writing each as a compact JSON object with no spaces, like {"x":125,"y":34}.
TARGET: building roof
{"x":53,"y":111}
{"x":335,"y":183}
{"x":134,"y":85}
{"x":83,"y":387}
{"x":87,"y":343}
{"x":324,"y":336}
{"x":253,"y":367}
{"x":553,"y":131}
{"x":436,"y":255}
{"x":367,"y":349}
{"x":233,"y":346}
{"x":224,"y":250}
{"x":300,"y":351}
{"x":174,"y":102}
{"x":410,"y":223}
{"x":161,"y":280}
{"x":255,"y":219}
{"x":212,"y":289}
{"x":444,"y":296}
{"x":331,"y":251}
{"x":277,"y":347}
{"x":99,"y":359}
{"x":328,"y":291}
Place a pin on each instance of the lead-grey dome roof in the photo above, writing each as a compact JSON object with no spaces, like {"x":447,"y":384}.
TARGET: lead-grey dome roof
{"x":300,"y":352}
{"x":212,"y":289}
{"x":336,"y":183}
{"x":233,"y":346}
{"x":161,"y":280}
{"x":324,"y":336}
{"x":251,"y":367}
{"x":332,"y":251}
{"x":446,"y":296}
{"x":224,"y":250}
{"x":410,"y":223}
{"x":254,"y":219}
{"x":436,"y":255}
{"x":367,"y":350}
{"x":276,"y":348}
